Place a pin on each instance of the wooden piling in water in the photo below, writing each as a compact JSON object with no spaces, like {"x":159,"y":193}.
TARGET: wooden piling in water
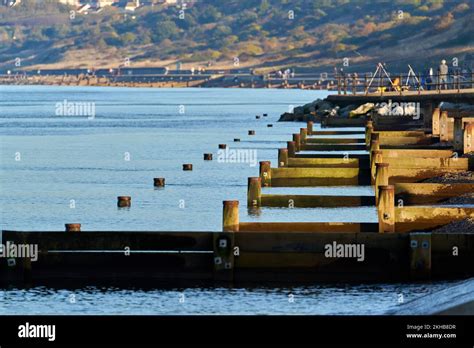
{"x":230,"y":216}
{"x":283,"y":157}
{"x":376,"y":157}
{"x":291,"y":148}
{"x":254,"y":192}
{"x":381,"y":178}
{"x":159,"y":182}
{"x":73,"y":227}
{"x":309,"y":126}
{"x":386,"y":209}
{"x":297,"y":140}
{"x":251,"y":132}
{"x":208,"y":157}
{"x":265,"y":173}
{"x":222,"y":146}
{"x":124,"y":201}
{"x":187,"y":166}
{"x":368,"y":133}
{"x":303,"y":135}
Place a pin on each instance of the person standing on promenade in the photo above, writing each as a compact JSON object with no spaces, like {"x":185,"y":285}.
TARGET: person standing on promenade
{"x":443,"y":75}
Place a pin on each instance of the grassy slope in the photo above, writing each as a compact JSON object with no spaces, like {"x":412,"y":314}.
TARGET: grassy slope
{"x":318,"y":36}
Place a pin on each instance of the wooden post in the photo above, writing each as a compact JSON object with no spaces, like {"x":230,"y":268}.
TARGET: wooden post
{"x":375,"y":136}
{"x":124,"y":201}
{"x":303,"y":135}
{"x":266,"y":173}
{"x":208,"y":157}
{"x":309,"y":126}
{"x":420,"y":255}
{"x":458,"y":134}
{"x":375,"y":158}
{"x":187,"y":166}
{"x":443,"y":135}
{"x":468,"y":141}
{"x":354,"y":87}
{"x":435,"y":121}
{"x":381,"y":178}
{"x":230,"y":216}
{"x":282,"y":157}
{"x":338,"y":84}
{"x":159,"y":182}
{"x":368,"y":133}
{"x":297,"y":140}
{"x":374,"y":146}
{"x":386,"y":209}
{"x":73,"y":227}
{"x":254,"y":192}
{"x":291,"y":148}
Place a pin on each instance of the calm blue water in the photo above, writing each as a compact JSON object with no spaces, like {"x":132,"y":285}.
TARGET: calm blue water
{"x":47,"y":161}
{"x":64,"y":158}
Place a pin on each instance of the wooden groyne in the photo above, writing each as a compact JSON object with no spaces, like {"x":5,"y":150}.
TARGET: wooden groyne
{"x":403,"y":244}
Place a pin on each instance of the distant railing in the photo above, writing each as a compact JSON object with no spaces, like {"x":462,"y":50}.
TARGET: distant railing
{"x":354,"y":84}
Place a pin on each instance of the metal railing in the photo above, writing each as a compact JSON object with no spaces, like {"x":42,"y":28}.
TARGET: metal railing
{"x":354,"y":84}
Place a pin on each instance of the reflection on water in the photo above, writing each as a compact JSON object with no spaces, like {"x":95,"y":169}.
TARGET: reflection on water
{"x":342,"y":299}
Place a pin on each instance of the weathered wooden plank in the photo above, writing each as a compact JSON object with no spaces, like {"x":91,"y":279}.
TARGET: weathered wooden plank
{"x":135,"y":240}
{"x":103,"y":267}
{"x":344,"y":173}
{"x":438,"y":214}
{"x":323,"y":227}
{"x":307,"y":250}
{"x":335,"y":141}
{"x":363,"y":158}
{"x":415,"y":147}
{"x":385,"y":134}
{"x":425,"y":153}
{"x":333,"y":147}
{"x":301,"y":241}
{"x":338,"y":132}
{"x":421,"y":218}
{"x":281,"y":177}
{"x":313,"y":201}
{"x":428,"y":163}
{"x":406,"y":140}
{"x":340,"y":162}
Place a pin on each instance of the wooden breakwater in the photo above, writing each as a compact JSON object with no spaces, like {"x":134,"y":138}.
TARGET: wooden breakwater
{"x":402,"y":245}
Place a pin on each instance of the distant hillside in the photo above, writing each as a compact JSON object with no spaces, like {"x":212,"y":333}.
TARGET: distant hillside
{"x":264,"y":34}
